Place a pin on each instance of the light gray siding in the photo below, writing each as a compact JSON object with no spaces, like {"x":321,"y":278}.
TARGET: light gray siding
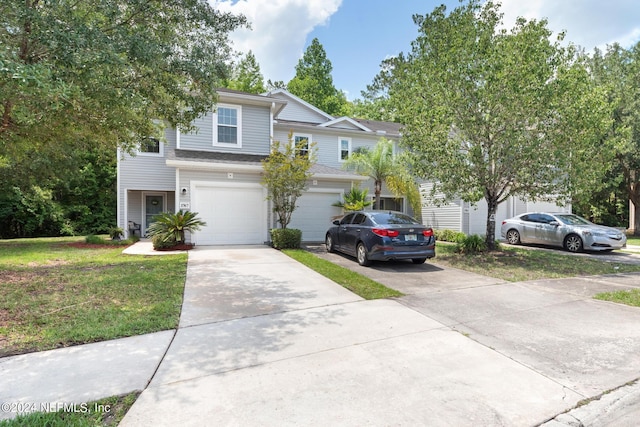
{"x":255,"y":128}
{"x":299,"y":113}
{"x":202,"y":137}
{"x":327,"y":143}
{"x":446,"y":216}
{"x":144,"y":172}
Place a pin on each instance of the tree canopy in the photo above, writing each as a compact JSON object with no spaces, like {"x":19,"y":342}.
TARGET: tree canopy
{"x":491,"y":113}
{"x":286,"y":172}
{"x":105,"y":71}
{"x":383,"y":166}
{"x":313,"y":82}
{"x":246,"y":75}
{"x":617,"y":71}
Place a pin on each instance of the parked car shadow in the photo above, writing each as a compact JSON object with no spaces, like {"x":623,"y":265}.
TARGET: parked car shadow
{"x":351,"y":263}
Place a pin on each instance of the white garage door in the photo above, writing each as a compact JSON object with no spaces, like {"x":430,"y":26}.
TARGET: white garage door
{"x":234,"y":215}
{"x":313,"y":214}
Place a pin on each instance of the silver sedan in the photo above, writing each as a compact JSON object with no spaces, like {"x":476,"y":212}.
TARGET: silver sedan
{"x":569,"y":231}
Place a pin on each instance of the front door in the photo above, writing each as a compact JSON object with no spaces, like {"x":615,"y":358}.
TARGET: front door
{"x":154,"y":204}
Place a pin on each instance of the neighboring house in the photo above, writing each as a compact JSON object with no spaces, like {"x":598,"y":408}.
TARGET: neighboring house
{"x":472,"y":219}
{"x":217,"y":171}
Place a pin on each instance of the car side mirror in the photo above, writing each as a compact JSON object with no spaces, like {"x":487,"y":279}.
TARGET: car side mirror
{"x":336,"y":222}
{"x":554,"y":223}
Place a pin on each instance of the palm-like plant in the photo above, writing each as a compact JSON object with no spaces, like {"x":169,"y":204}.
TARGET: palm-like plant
{"x":171,"y":227}
{"x":381,"y":165}
{"x":354,"y":200}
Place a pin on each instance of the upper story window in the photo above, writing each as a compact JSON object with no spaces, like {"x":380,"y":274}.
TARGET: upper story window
{"x":302,"y":144}
{"x":228,"y":129}
{"x":344,"y":149}
{"x":150,"y":147}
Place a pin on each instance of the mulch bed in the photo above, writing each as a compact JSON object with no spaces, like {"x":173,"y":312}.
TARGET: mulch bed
{"x":183,"y":247}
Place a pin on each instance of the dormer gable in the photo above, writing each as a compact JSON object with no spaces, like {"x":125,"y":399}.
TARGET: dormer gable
{"x":299,"y":110}
{"x":345,"y":123}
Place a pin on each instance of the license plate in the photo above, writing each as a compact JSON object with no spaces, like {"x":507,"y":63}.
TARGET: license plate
{"x":410,"y":237}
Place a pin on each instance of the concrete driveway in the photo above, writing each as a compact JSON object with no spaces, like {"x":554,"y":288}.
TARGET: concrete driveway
{"x":265,"y":341}
{"x":554,"y":327}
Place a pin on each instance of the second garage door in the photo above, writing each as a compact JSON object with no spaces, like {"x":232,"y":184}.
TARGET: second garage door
{"x":234,"y":215}
{"x":313,"y":214}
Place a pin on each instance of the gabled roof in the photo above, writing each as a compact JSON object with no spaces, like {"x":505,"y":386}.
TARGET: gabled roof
{"x":287,"y":94}
{"x":231,"y":95}
{"x":382,"y":128}
{"x":339,"y":120}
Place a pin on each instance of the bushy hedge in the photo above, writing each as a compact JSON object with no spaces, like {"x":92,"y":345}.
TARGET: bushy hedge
{"x":464,"y":244}
{"x":452,"y":236}
{"x":471,"y":244}
{"x":286,"y":238}
{"x":160,"y":241}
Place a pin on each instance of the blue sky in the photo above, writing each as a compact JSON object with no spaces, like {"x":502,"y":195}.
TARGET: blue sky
{"x":358,"y":34}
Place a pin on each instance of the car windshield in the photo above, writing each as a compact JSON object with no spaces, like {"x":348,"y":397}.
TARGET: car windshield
{"x":573,"y":220}
{"x":392,"y":218}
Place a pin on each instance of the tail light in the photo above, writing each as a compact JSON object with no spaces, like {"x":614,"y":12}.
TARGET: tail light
{"x":427,"y":233}
{"x":385,"y":233}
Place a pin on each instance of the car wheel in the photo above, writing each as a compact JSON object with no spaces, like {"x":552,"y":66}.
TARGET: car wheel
{"x":418,"y":260}
{"x":329,"y":243}
{"x":361,"y":254}
{"x":573,"y":243}
{"x":513,"y":237}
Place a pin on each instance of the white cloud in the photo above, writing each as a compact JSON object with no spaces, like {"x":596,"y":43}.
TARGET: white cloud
{"x":588,"y":23}
{"x":279,"y":30}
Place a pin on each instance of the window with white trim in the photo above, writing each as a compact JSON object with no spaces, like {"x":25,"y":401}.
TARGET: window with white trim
{"x":302,"y":144}
{"x":344,"y":148}
{"x":227,"y":126}
{"x":150,"y":147}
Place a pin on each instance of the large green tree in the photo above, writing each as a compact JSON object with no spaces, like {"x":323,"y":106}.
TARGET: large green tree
{"x":618,"y":72}
{"x":491,"y":113}
{"x":246,"y":75}
{"x":81,"y":77}
{"x":313,"y":82}
{"x":105,"y":71}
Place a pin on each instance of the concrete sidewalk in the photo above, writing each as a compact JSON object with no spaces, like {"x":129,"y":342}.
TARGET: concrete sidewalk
{"x":264,"y":340}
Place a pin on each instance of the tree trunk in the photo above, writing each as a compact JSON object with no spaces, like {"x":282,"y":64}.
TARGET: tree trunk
{"x":636,"y":217}
{"x":377,"y":188}
{"x":492,"y":207}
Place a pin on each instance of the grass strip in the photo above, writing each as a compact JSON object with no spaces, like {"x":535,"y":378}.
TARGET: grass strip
{"x":104,"y":412}
{"x":629,"y":297}
{"x":355,"y":282}
{"x":520,"y":264}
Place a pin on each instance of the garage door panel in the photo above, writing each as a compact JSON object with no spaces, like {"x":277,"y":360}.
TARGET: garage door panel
{"x":314,"y":214}
{"x":234,"y":215}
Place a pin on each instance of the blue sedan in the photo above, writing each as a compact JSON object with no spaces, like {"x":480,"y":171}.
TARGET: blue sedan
{"x":381,"y":236}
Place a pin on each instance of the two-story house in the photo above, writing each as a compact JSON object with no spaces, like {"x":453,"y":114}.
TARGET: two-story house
{"x":217,"y":171}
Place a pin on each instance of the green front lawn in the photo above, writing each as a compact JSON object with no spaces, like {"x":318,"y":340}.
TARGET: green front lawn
{"x":633,"y":240}
{"x":520,"y":264}
{"x":59,"y":292}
